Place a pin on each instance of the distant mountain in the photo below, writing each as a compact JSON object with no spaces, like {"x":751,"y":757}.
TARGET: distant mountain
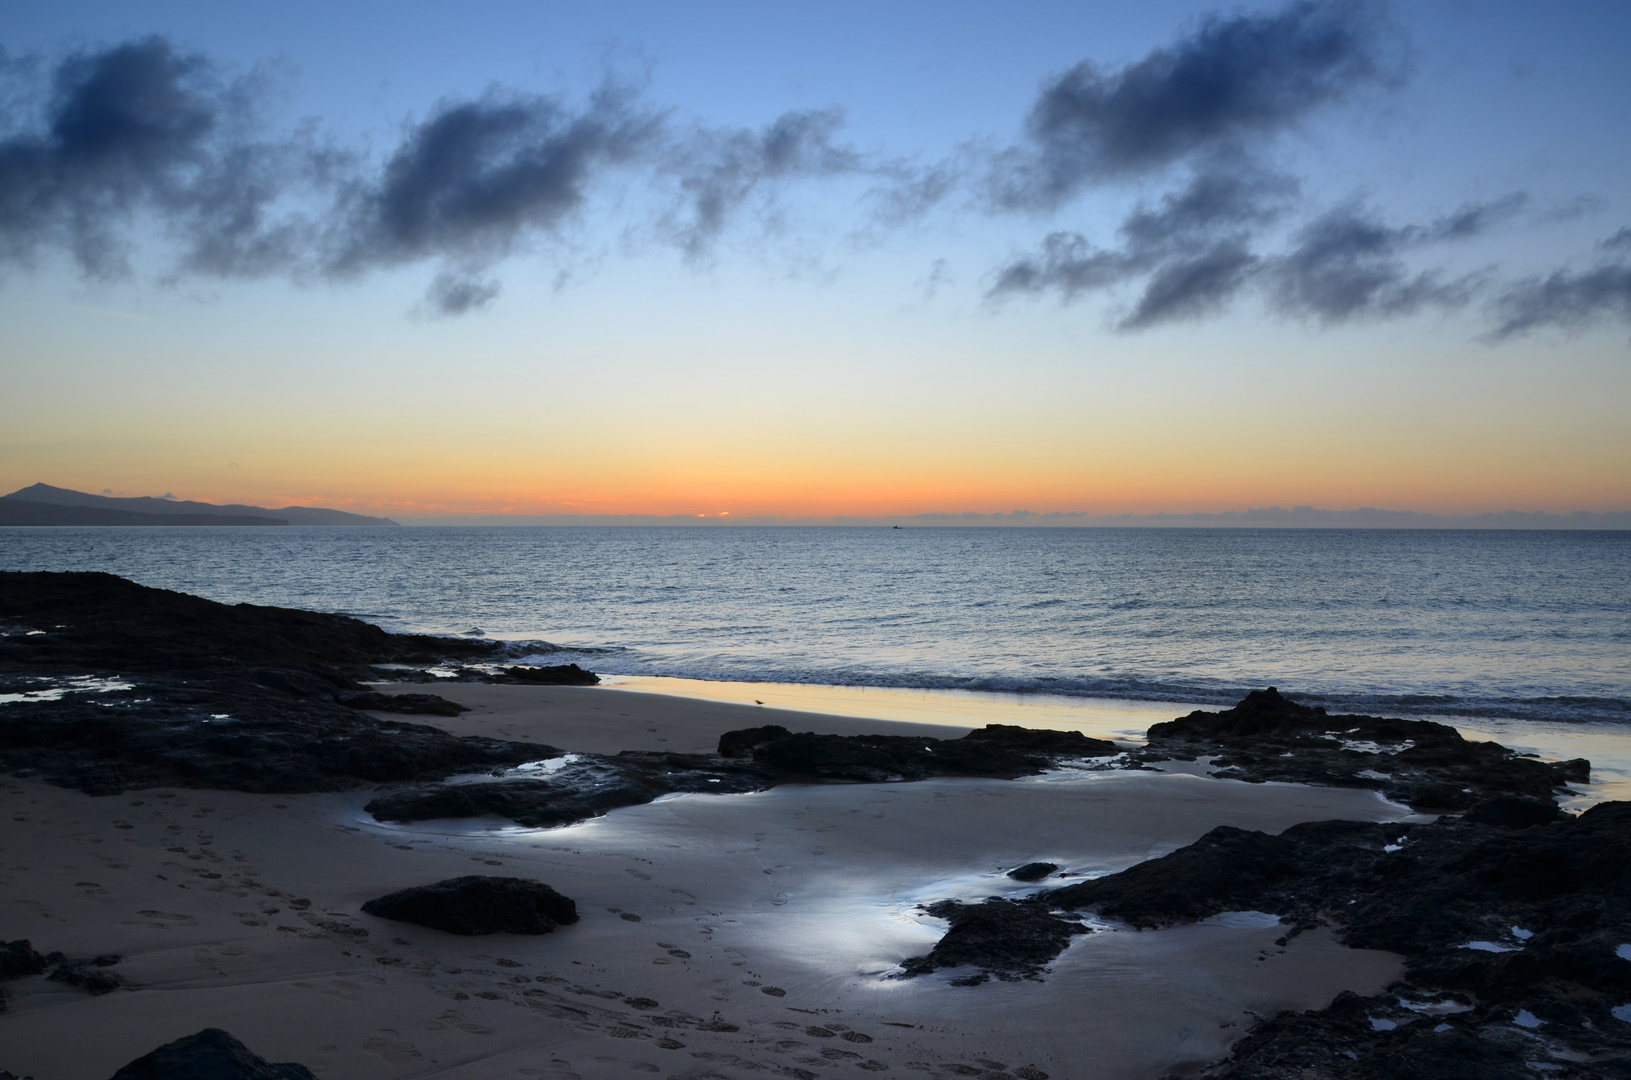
{"x":43,"y":504}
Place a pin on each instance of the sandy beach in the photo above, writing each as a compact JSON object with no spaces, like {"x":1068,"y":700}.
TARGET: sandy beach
{"x":721,"y":936}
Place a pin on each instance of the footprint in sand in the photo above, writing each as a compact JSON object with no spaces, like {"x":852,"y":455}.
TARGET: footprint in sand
{"x":345,"y":991}
{"x":390,"y":1047}
{"x":455,"y":1018}
{"x":166,"y":918}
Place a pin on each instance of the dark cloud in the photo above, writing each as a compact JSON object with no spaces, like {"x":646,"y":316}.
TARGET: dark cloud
{"x":1194,"y":253}
{"x":143,"y":133}
{"x":477,"y":177}
{"x":124,"y":130}
{"x":1348,"y":265}
{"x":1230,"y":83}
{"x":146,"y":139}
{"x":1226,"y":196}
{"x":1192,"y":287}
{"x":721,"y":169}
{"x":1193,"y":246}
{"x":1569,"y":300}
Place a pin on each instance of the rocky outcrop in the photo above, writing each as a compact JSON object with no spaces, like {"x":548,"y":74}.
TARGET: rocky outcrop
{"x":1514,"y":918}
{"x":19,"y":960}
{"x":1033,"y":871}
{"x":1428,"y":766}
{"x":1001,"y":937}
{"x":588,"y":785}
{"x":476,"y":905}
{"x":996,"y":750}
{"x":211,"y":1054}
{"x":551,"y":675}
{"x":742,"y":743}
{"x":91,"y":976}
{"x":160,"y":688}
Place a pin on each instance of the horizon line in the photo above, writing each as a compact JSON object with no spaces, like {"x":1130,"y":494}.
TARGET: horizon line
{"x":1260,"y":517}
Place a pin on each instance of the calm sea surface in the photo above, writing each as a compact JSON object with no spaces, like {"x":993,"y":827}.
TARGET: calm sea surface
{"x":1525,"y":626}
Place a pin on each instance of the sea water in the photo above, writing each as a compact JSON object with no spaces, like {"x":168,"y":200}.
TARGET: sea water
{"x":1483,"y":625}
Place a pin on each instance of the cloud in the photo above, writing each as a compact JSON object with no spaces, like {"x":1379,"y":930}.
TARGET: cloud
{"x":475,"y":178}
{"x":126,"y":129}
{"x":1226,"y":194}
{"x":720,"y":169}
{"x":456,"y":294}
{"x":1192,"y":245}
{"x":1194,"y":252}
{"x":1192,"y":287}
{"x":1569,"y":300}
{"x":146,"y":139}
{"x":1068,"y":265}
{"x":1347,"y":265}
{"x":146,"y":134}
{"x":1231,"y":83}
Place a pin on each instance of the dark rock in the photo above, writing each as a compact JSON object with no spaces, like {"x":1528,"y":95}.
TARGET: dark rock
{"x":556,"y":675}
{"x":1428,"y":766}
{"x":478,"y":905}
{"x":211,"y":1054}
{"x":742,"y":743}
{"x":88,"y":975}
{"x":1513,"y":813}
{"x":1552,"y":903}
{"x":100,"y":621}
{"x":586,"y":787}
{"x":1228,"y":869}
{"x":1033,"y":871}
{"x":875,"y":758}
{"x":1342,"y":1041}
{"x":18,"y":960}
{"x":592,"y":784}
{"x":1009,"y":940}
{"x":236,"y":697}
{"x":1042,"y":740}
{"x":421,"y":704}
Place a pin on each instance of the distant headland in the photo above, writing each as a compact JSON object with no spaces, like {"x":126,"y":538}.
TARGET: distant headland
{"x":42,"y":504}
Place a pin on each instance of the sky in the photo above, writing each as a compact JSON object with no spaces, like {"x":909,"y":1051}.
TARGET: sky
{"x":799,"y":261}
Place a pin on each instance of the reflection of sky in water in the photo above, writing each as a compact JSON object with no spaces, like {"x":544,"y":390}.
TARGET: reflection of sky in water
{"x":831,"y":877}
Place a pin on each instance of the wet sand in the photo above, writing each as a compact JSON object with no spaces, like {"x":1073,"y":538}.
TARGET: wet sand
{"x":601,"y":720}
{"x":722,"y":936}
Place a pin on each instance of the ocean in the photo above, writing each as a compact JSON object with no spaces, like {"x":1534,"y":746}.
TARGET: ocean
{"x":1469,"y":624}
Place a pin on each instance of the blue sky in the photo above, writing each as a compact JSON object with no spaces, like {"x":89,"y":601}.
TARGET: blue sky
{"x":1391,"y":228}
